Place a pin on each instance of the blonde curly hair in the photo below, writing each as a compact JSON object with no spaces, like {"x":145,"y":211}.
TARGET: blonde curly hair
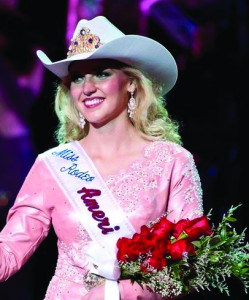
{"x":151,"y":118}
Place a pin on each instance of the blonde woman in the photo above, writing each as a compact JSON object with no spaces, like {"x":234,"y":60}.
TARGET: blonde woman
{"x":119,"y":164}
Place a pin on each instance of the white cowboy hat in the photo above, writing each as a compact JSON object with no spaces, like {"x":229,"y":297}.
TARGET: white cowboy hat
{"x":99,"y":38}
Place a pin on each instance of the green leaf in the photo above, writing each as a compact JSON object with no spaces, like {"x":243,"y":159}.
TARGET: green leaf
{"x":214,"y":258}
{"x":196,"y":244}
{"x":223,"y":233}
{"x":244,"y":270}
{"x":215,"y":246}
{"x":231,"y":219}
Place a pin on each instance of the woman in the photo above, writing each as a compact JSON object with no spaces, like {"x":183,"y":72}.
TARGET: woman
{"x":119,"y":164}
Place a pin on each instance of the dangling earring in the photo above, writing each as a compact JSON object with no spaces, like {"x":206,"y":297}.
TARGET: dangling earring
{"x":82,"y":120}
{"x":132,"y":104}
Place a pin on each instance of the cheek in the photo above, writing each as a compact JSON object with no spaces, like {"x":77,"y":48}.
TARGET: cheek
{"x":74,"y":93}
{"x":118,"y":88}
{"x":111,"y":87}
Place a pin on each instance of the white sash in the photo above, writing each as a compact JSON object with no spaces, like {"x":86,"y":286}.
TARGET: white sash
{"x":98,"y":210}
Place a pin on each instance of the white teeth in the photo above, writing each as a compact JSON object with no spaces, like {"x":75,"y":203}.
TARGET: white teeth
{"x":93,"y":101}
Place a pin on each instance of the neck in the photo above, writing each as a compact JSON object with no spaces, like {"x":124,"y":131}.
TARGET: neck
{"x":112,"y":138}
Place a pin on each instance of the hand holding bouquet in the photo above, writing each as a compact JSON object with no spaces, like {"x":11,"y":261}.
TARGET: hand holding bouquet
{"x":173,"y":259}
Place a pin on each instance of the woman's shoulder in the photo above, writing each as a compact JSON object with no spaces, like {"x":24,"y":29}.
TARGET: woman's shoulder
{"x":166,"y":148}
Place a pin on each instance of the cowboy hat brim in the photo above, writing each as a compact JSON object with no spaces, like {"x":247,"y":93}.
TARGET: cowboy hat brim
{"x":141,"y":52}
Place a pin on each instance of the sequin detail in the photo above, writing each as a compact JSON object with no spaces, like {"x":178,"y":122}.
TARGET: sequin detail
{"x":144,"y":176}
{"x":84,"y":42}
{"x":194,"y":190}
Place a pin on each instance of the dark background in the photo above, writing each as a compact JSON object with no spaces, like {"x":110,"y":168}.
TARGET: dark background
{"x":209,"y":40}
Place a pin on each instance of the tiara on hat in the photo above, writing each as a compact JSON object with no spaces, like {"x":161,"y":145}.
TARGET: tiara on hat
{"x":84,"y":41}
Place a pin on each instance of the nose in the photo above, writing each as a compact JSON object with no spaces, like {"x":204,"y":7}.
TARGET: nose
{"x":89,"y":86}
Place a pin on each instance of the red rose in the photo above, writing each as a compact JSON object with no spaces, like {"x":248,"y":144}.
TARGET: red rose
{"x":163,"y":228}
{"x":161,"y":248}
{"x":127,"y":250}
{"x":193,"y":228}
{"x":144,"y":244}
{"x":157,"y":255}
{"x":122,"y":245}
{"x":145,"y":230}
{"x":178,"y":248}
{"x":156,"y":262}
{"x":130,"y":249}
{"x":180,"y":227}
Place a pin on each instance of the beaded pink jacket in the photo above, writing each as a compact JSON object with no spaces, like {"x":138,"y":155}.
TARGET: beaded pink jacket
{"x":163,"y":178}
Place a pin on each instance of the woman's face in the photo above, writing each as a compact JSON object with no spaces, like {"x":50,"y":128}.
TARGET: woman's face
{"x":100,"y":90}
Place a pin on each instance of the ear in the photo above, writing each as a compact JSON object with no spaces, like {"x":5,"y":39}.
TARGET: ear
{"x":132,"y":86}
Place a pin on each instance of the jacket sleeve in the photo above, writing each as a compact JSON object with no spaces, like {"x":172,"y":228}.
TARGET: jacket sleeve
{"x":185,"y":193}
{"x":27,"y":225}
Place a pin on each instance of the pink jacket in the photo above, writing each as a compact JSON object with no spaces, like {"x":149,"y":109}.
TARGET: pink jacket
{"x":163,"y":178}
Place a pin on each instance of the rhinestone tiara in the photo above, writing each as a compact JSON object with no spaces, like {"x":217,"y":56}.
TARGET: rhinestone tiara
{"x":83,"y":42}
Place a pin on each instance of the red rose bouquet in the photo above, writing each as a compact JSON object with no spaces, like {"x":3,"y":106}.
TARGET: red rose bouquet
{"x":173,"y":259}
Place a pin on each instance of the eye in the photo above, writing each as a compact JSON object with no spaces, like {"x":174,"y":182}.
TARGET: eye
{"x":77,"y":78}
{"x":103,"y":74}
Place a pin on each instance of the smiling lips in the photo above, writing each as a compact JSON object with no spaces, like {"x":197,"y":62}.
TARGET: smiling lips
{"x":90,"y":103}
